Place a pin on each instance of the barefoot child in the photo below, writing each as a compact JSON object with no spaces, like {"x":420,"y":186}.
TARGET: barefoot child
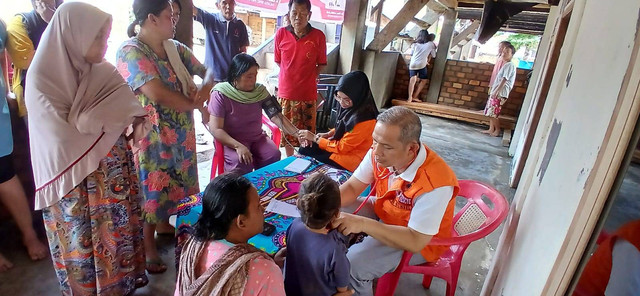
{"x":500,"y":91}
{"x":316,"y":262}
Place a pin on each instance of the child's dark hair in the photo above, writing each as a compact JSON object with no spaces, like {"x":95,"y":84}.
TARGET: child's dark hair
{"x":318,"y":201}
{"x":513,"y":49}
{"x":225,"y":198}
{"x":423,"y":36}
{"x":142,"y":9}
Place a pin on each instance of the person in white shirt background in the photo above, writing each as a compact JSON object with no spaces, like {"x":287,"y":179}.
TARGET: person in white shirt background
{"x":423,"y":50}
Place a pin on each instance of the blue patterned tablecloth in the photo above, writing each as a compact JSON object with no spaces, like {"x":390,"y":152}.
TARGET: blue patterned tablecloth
{"x":272,"y":181}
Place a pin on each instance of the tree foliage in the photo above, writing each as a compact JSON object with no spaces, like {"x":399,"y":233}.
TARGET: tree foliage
{"x":526,"y":40}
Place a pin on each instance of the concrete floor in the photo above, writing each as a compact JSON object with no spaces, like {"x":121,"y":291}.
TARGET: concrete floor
{"x":471,"y":154}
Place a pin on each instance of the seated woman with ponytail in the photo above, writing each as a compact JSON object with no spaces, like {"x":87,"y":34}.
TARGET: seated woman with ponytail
{"x":216,"y":259}
{"x":345,"y":146}
{"x":236,"y":111}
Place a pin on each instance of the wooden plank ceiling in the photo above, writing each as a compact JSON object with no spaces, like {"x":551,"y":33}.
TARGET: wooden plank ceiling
{"x":530,"y":21}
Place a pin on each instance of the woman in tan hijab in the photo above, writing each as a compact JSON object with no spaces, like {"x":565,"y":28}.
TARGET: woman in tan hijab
{"x":87,"y":186}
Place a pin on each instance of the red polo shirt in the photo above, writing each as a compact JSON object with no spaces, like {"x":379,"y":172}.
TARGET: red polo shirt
{"x":298,"y":59}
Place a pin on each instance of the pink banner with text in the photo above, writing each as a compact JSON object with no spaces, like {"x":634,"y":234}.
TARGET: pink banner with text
{"x":321,"y":10}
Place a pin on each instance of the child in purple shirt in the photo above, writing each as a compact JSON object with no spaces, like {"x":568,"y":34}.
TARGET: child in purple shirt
{"x":316,"y":262}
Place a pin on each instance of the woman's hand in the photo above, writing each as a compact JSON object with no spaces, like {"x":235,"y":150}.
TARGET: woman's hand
{"x":306,"y":135}
{"x":200,"y":96}
{"x":244,"y":155}
{"x":205,"y":115}
{"x":204,"y":92}
{"x":279,"y":257}
{"x":323,"y":135}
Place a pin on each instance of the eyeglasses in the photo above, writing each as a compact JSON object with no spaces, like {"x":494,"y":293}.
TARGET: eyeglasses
{"x":341,"y":99}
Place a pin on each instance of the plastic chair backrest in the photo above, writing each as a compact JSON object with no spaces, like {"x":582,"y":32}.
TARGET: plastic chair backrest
{"x":477,"y":218}
{"x":217,"y":166}
{"x":276,"y":135}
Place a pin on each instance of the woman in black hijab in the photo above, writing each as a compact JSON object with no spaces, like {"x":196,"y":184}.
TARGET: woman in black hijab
{"x":345,"y":146}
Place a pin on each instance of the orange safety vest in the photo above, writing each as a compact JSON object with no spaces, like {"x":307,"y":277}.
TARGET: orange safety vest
{"x":393,"y":205}
{"x":596,"y":274}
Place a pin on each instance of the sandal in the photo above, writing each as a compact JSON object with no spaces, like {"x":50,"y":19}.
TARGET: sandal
{"x":155,"y":266}
{"x":141,"y":281}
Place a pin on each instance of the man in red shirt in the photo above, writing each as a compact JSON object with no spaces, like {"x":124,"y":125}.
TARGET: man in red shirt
{"x":301,"y":53}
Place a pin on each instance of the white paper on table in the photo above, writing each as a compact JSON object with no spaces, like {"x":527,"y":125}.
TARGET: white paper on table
{"x":333,"y":174}
{"x":298,"y":165}
{"x":283,"y":208}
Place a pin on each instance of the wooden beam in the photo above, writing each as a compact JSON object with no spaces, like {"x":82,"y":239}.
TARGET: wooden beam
{"x":391,"y":30}
{"x":457,"y":113}
{"x":375,"y":9}
{"x":439,"y":65}
{"x":353,"y":30}
{"x":184,"y":28}
{"x":451,"y":4}
{"x":506,"y":137}
{"x":522,"y":31}
{"x":476,"y":14}
{"x":536,"y":8}
{"x":421,"y":23}
{"x":379,"y":16}
{"x":470,"y":29}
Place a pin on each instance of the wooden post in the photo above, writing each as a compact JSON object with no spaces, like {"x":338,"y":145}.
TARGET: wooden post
{"x":446,"y":35}
{"x":184,"y":28}
{"x":379,"y":16}
{"x":264,"y":30}
{"x":352,"y":36}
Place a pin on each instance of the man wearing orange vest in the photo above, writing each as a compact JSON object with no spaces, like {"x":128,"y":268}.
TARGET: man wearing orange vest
{"x":614,"y":268}
{"x":414,"y":200}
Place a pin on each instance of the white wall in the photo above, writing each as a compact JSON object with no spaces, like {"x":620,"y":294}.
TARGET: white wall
{"x":577,"y":113}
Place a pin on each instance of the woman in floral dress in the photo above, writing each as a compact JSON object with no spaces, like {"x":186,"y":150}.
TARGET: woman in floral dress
{"x":167,"y":156}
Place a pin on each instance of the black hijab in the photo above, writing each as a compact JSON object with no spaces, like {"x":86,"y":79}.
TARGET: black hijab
{"x":356,"y":86}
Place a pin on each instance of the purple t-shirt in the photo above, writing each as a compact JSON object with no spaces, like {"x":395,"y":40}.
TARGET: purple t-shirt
{"x":243,"y":122}
{"x":316,"y":263}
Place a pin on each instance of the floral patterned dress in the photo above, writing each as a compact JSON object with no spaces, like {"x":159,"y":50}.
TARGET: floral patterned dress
{"x":167,"y":156}
{"x":95,"y":231}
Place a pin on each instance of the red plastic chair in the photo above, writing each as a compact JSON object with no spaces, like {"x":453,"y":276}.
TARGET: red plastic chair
{"x":218,"y":156}
{"x":474,"y":221}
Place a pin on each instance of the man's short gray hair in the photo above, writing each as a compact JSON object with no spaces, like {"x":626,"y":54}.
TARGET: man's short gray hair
{"x":407,"y":120}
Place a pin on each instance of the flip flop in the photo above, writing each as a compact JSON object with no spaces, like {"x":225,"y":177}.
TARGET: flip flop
{"x":155,"y":266}
{"x":141,"y":281}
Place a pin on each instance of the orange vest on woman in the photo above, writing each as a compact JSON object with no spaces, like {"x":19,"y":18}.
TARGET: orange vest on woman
{"x":596,"y":274}
{"x":393,"y":205}
{"x":352,"y":147}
